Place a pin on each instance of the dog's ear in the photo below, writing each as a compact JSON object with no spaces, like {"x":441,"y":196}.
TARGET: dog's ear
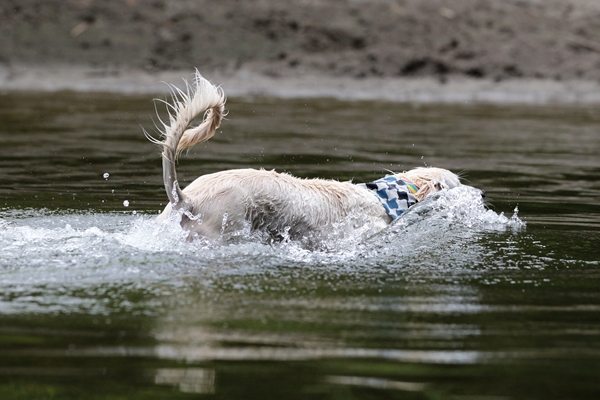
{"x":430,"y":187}
{"x":425,"y":190}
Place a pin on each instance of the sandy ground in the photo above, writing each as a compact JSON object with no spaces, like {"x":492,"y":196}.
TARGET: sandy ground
{"x":530,"y":51}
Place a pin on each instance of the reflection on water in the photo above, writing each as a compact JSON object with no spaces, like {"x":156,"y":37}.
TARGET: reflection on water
{"x":188,"y":380}
{"x":377,"y":383}
{"x":454,"y":300}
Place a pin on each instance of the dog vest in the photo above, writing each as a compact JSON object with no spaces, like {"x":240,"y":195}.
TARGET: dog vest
{"x":395,"y":195}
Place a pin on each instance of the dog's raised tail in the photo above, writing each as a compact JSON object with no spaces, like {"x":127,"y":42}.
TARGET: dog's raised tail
{"x":200,"y":97}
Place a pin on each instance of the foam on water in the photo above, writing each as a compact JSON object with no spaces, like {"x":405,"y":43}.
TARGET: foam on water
{"x":85,"y":262}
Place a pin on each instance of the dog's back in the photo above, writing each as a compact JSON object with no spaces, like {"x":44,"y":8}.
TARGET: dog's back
{"x":275,"y":203}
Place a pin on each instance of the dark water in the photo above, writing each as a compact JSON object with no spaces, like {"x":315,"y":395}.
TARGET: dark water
{"x":455,"y":302}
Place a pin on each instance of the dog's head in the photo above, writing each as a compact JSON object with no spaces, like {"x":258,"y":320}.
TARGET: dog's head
{"x":430,"y":180}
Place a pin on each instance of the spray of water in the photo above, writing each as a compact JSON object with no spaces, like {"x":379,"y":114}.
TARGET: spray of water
{"x":65,"y":262}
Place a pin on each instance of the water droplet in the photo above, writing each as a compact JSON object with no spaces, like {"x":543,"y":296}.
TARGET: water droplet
{"x":421,"y":157}
{"x":134,"y":212}
{"x":106,"y":175}
{"x":126,"y":203}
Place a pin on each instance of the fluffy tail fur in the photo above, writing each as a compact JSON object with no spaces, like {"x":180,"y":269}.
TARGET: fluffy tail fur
{"x":200,"y":97}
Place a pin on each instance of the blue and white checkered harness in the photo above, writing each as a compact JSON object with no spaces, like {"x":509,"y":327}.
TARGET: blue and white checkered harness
{"x":395,"y":195}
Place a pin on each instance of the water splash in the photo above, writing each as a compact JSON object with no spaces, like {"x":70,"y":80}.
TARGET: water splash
{"x":70,"y":262}
{"x":462,"y":206}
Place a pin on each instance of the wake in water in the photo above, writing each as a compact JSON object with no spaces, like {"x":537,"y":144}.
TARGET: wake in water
{"x":41,"y":238}
{"x":57,"y":262}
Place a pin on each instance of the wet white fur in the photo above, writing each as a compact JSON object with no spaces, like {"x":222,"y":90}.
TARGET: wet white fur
{"x":269,"y":201}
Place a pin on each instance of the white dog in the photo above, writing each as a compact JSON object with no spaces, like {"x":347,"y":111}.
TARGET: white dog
{"x":275,"y":203}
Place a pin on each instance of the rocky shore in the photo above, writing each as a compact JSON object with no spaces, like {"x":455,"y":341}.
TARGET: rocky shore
{"x":526,"y":51}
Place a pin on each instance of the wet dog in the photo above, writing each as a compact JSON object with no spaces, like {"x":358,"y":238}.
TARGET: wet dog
{"x":278,"y":204}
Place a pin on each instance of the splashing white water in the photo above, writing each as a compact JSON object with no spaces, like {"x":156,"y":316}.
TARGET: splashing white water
{"x":57,"y":262}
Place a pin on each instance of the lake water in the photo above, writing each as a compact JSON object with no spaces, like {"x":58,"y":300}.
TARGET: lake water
{"x":455,"y":301}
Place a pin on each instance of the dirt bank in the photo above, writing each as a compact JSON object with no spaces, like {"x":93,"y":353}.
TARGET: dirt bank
{"x":452,"y":49}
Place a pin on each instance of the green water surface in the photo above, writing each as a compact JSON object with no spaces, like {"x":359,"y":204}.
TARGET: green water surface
{"x":504,"y":314}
